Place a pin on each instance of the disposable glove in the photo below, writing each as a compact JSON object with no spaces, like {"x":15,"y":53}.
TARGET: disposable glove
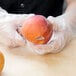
{"x":9,"y":28}
{"x":62,"y":34}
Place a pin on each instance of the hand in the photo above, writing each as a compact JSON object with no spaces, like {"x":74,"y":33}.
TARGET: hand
{"x":9,"y":28}
{"x":62,"y":34}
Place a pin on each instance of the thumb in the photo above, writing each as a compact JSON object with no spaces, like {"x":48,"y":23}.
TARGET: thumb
{"x":15,"y":38}
{"x":55,"y":22}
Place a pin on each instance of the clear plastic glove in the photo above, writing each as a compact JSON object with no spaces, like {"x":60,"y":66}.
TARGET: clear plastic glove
{"x":9,"y":28}
{"x":62,"y":34}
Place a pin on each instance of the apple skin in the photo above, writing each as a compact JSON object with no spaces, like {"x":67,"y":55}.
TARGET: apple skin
{"x":37,"y":29}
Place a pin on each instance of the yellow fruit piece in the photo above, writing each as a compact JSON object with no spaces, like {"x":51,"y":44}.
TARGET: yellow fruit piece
{"x":1,"y":61}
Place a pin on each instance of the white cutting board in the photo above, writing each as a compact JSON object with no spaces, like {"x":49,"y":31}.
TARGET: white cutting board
{"x":19,"y":62}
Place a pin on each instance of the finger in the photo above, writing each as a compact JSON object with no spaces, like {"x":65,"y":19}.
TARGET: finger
{"x":10,"y":37}
{"x":54,"y":22}
{"x":55,"y":45}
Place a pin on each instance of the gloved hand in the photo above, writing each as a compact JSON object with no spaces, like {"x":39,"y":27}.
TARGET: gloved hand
{"x":62,"y":34}
{"x":9,"y":28}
